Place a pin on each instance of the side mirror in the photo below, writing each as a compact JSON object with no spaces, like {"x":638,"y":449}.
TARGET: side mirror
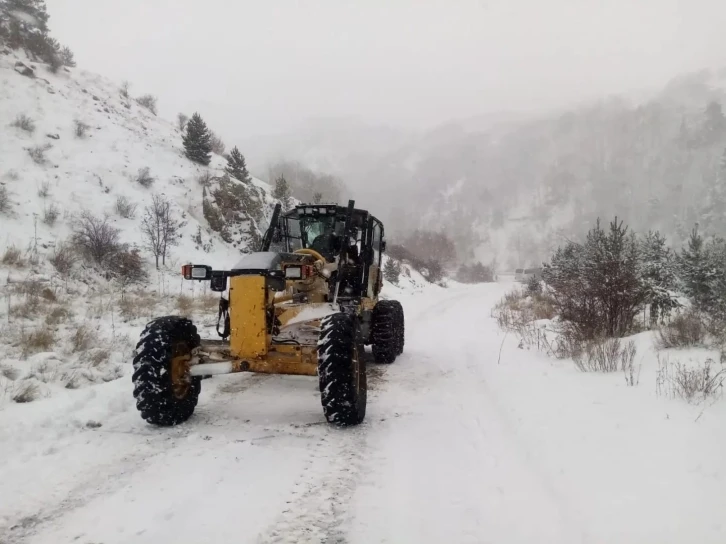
{"x":383,"y":246}
{"x":219,"y":282}
{"x":196,"y":272}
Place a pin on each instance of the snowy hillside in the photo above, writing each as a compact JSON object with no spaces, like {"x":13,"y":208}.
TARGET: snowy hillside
{"x":74,"y":325}
{"x":92,"y":171}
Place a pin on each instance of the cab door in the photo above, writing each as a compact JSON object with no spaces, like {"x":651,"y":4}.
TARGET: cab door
{"x":375,"y":278}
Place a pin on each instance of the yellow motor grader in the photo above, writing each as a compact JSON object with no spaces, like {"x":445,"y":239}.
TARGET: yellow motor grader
{"x":306,"y":303}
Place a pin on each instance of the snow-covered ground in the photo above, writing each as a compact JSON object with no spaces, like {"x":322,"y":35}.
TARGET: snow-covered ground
{"x":457,"y":446}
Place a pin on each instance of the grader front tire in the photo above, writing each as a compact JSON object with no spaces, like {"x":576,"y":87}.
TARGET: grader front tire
{"x":165,"y":393}
{"x":341,"y":371}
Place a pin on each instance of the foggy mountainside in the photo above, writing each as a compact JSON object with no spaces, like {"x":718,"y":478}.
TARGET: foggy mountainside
{"x":511,"y":190}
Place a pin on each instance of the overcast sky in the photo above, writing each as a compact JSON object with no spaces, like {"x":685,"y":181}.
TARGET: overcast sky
{"x":259,"y":66}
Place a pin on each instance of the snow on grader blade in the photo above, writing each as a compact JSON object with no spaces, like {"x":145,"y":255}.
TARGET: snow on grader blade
{"x":306,"y":303}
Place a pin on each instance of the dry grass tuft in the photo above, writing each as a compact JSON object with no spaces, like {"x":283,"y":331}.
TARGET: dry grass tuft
{"x":13,"y":257}
{"x":207,"y":303}
{"x":83,"y":338}
{"x":184,"y":304}
{"x":7,"y":371}
{"x":25,"y":391}
{"x":608,"y":355}
{"x":58,"y":314}
{"x":138,"y":304}
{"x":36,"y":341}
{"x":99,"y":356}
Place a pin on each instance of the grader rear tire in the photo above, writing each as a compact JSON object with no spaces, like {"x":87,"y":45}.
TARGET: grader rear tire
{"x":165,"y":393}
{"x":400,"y":328}
{"x":341,"y":371}
{"x":385,"y":337}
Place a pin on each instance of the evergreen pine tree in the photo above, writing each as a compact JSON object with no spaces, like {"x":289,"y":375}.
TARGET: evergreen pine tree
{"x":196,"y":140}
{"x":694,"y":266}
{"x":658,"y":275}
{"x":236,"y":166}
{"x":392,"y":271}
{"x":282,"y":192}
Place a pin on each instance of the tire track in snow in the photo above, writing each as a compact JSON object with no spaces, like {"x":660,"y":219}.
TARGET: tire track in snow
{"x":317,"y":510}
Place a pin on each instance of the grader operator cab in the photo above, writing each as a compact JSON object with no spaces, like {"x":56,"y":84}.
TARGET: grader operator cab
{"x":307,"y":303}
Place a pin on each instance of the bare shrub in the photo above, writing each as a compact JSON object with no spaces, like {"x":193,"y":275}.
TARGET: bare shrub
{"x":62,"y":258}
{"x":23,"y":122}
{"x":12,"y":257}
{"x":181,"y":121}
{"x":94,"y":238}
{"x":80,"y":129}
{"x":144,"y":177}
{"x":148,"y":101}
{"x":691,"y":382}
{"x":4,"y":199}
{"x":125,"y":208}
{"x":83,"y":338}
{"x":216,"y":143}
{"x":48,"y":294}
{"x":124,"y":91}
{"x":44,"y":189}
{"x":37,"y":153}
{"x":127,"y":268}
{"x":25,"y":391}
{"x":51,"y":214}
{"x":205,"y":178}
{"x":684,"y":330}
{"x":41,"y":339}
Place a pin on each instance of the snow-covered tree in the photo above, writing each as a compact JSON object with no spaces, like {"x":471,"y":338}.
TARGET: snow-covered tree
{"x":392,"y":271}
{"x":596,"y":285}
{"x":197,"y":144}
{"x":282,"y":192}
{"x":237,"y":166}
{"x":658,"y":272}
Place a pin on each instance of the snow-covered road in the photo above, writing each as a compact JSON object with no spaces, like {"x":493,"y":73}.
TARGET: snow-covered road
{"x":456,"y":447}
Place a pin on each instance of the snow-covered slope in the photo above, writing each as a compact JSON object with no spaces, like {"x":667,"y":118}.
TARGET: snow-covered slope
{"x":91,"y":172}
{"x":76,"y":327}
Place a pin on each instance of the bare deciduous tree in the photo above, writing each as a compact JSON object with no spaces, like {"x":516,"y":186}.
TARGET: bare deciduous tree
{"x":181,"y":120}
{"x":216,"y":143}
{"x":160,"y":228}
{"x":95,"y":238}
{"x":149,"y":102}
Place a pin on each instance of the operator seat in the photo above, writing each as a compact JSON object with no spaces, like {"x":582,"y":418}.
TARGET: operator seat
{"x":327,"y":245}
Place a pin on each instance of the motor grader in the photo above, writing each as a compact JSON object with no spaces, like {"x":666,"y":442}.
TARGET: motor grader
{"x":306,"y":303}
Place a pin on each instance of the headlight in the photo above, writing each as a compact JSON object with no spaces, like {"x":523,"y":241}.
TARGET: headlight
{"x":293,"y":272}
